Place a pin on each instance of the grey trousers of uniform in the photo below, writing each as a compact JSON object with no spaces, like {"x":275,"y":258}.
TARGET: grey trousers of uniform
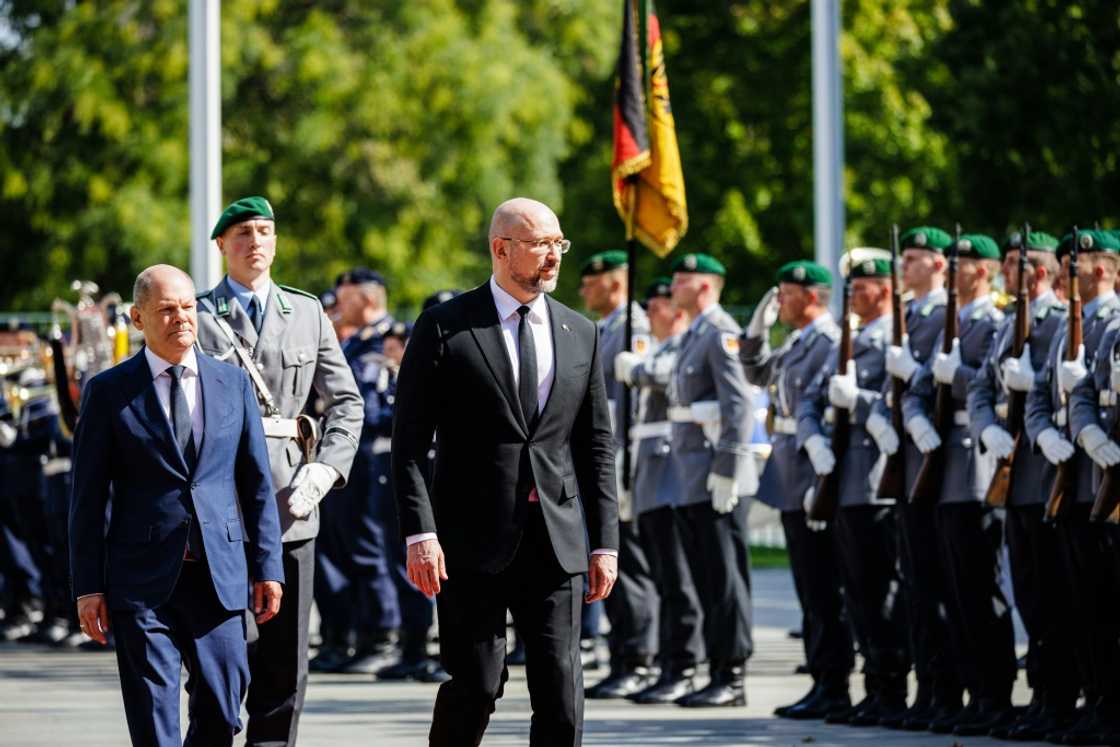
{"x":681,"y":619}
{"x":278,"y":658}
{"x":633,"y":605}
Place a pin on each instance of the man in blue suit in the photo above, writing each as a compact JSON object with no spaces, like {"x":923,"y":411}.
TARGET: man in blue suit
{"x":171,"y":443}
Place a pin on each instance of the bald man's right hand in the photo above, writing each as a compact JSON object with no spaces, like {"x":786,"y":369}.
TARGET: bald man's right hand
{"x":426,"y":566}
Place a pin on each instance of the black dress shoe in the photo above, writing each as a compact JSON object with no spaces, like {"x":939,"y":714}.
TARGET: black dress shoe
{"x":991,"y":716}
{"x":725,"y":690}
{"x":937,"y":711}
{"x":671,"y":687}
{"x":623,"y":684}
{"x":827,"y":700}
{"x":922,"y":703}
{"x":881,"y":707}
{"x":330,"y":659}
{"x":432,"y":672}
{"x":1023,"y":716}
{"x":944,"y":724}
{"x":1088,"y":730}
{"x":781,"y":711}
{"x":372,"y":656}
{"x":841,"y":715}
{"x":1047,"y":721}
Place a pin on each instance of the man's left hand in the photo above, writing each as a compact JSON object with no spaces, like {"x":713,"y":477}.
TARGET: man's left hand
{"x":266,"y":600}
{"x":601,"y":577}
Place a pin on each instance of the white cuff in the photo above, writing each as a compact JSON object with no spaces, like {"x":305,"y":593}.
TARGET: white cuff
{"x":601,"y":551}
{"x":412,"y":539}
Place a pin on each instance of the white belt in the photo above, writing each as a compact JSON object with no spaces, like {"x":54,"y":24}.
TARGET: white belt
{"x":1060,"y":418}
{"x":1001,"y":410}
{"x":382,"y":445}
{"x":658,"y":429}
{"x":785,"y":426}
{"x":280,"y":427}
{"x":680,"y":414}
{"x":960,"y":417}
{"x":56,"y":466}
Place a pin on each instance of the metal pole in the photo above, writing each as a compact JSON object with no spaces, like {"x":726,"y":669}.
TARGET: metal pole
{"x":206,"y":139}
{"x":828,"y":138}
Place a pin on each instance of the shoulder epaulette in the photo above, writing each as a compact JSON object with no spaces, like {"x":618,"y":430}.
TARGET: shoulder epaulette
{"x":290,"y":289}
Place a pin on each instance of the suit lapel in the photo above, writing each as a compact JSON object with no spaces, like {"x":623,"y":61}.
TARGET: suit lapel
{"x":212,"y":385}
{"x":145,"y":403}
{"x":487,"y":332}
{"x":563,"y":349}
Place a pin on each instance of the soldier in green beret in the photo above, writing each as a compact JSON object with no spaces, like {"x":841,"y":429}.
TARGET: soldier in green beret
{"x":285,"y":342}
{"x":633,"y":607}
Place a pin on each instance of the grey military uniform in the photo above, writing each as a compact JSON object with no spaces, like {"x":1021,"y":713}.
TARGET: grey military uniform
{"x":987,"y":398}
{"x":786,"y":373}
{"x":967,"y":472}
{"x":1046,"y":404}
{"x":858,"y":483}
{"x":656,"y":483}
{"x":709,"y":371}
{"x":1093,"y":401}
{"x":296,"y":352}
{"x":612,"y":341}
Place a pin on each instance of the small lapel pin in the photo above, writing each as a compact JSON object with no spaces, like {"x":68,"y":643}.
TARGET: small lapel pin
{"x":565,"y":327}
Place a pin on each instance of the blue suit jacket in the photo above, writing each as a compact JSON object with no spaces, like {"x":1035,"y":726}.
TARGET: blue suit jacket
{"x":124,"y":451}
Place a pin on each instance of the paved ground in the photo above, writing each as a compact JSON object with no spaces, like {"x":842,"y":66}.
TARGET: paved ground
{"x":51,"y":698}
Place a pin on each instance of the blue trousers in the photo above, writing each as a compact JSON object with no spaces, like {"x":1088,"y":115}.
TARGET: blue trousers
{"x":191,"y":629}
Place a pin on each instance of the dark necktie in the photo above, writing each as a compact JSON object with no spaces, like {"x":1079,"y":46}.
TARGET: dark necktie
{"x":181,"y":417}
{"x":255,"y":315}
{"x":527,"y":368}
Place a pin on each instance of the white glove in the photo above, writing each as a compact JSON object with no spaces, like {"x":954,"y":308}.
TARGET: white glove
{"x":1054,"y":447}
{"x":1018,"y":373}
{"x":624,"y":365}
{"x":998,"y":441}
{"x":820,"y":454}
{"x":311,"y":483}
{"x":843,"y":392}
{"x":945,"y":366}
{"x":625,"y":505}
{"x":900,"y":362}
{"x":924,"y":434}
{"x":725,"y":493}
{"x":7,"y":435}
{"x":1071,"y":372}
{"x":883,"y":432}
{"x":765,"y":314}
{"x":814,"y":526}
{"x":1100,"y":448}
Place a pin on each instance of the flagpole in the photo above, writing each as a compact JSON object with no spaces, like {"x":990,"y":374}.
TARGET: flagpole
{"x":631,"y":274}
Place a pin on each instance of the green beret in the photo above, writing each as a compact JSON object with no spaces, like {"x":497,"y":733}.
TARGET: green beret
{"x":866,"y":262}
{"x":1038,"y":241}
{"x":926,"y":237}
{"x":659,"y":288}
{"x":699,"y":262}
{"x":603,"y":262}
{"x":247,"y":208}
{"x":1090,"y":241}
{"x":804,"y":272}
{"x":977,"y":246}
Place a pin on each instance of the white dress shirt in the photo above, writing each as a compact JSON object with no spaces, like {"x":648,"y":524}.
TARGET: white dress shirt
{"x":540,"y":323}
{"x":162,"y":378}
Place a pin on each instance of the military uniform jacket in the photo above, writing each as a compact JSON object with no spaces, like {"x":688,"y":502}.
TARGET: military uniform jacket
{"x":786,"y":373}
{"x":375,"y":377}
{"x":1093,"y":401}
{"x":612,"y":340}
{"x":708,"y":369}
{"x":967,"y":472}
{"x":858,"y":476}
{"x":656,"y":483}
{"x":925,"y":318}
{"x":987,"y":398}
{"x":296,"y":352}
{"x":1047,"y":406}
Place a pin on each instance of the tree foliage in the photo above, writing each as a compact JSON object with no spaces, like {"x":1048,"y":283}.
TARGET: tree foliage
{"x":385,"y":132}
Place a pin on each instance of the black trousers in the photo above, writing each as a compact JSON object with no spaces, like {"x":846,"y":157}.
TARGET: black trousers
{"x":719,"y":554}
{"x":864,"y":538}
{"x":924,"y":590}
{"x":1044,"y":602}
{"x":826,"y":635}
{"x":1090,"y":561}
{"x":278,"y":657}
{"x":980,"y":626}
{"x":546,"y":603}
{"x":633,"y":606}
{"x":681,"y":621}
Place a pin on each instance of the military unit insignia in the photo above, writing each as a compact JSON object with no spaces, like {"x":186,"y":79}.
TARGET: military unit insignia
{"x":223,"y":306}
{"x":869,"y":267}
{"x":965,"y":245}
{"x":730,"y":343}
{"x":920,"y":238}
{"x":640,"y":344}
{"x":597,"y":265}
{"x":1015,"y":240}
{"x":690,"y":262}
{"x":1086,"y":241}
{"x":799,"y":273}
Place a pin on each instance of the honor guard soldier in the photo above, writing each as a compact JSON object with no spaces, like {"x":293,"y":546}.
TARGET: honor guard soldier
{"x":939,"y":685}
{"x":863,"y":525}
{"x":657,"y":492}
{"x":800,"y":301}
{"x":968,"y":531}
{"x":1039,"y":586}
{"x":286,"y":344}
{"x":634,"y":605}
{"x":1087,"y":563}
{"x":712,"y":414}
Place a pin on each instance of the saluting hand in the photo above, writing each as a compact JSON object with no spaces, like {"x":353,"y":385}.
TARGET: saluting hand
{"x":426,"y":566}
{"x":266,"y":600}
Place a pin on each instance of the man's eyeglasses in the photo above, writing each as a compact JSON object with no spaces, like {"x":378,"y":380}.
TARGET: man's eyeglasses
{"x":543,"y":246}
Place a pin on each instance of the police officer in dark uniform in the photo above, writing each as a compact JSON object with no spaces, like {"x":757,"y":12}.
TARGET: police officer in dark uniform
{"x":801,"y":301}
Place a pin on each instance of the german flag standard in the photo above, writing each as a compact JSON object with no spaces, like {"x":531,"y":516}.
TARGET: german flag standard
{"x":646,"y":175}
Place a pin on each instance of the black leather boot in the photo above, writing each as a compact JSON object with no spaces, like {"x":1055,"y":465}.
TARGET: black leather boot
{"x":629,"y":679}
{"x":825,"y":699}
{"x":726,"y":689}
{"x":673,"y":685}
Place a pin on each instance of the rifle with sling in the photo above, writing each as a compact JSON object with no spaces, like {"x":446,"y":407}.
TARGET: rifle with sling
{"x":927,"y":485}
{"x":893,"y":482}
{"x":1000,"y":487}
{"x":1065,"y":479}
{"x":826,"y":493}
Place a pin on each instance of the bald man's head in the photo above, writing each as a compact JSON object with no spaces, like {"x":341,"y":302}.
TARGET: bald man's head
{"x":163,"y":308}
{"x":142,"y":288}
{"x":521,"y":213}
{"x":524,"y":247}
